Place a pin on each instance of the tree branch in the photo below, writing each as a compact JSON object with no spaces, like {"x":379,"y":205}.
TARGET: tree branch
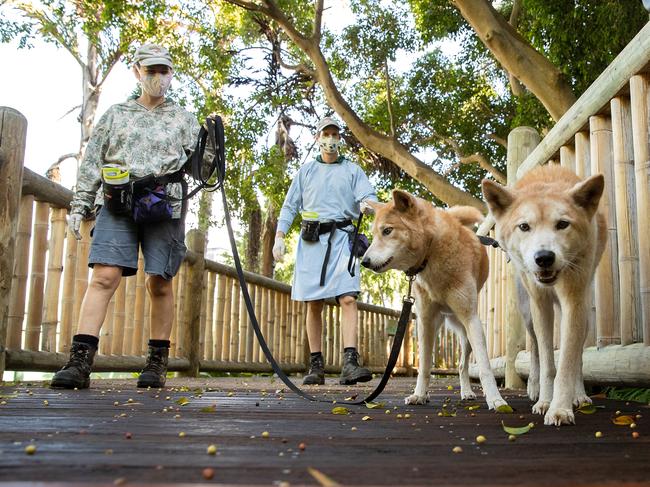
{"x":389,"y":99}
{"x":499,"y":140}
{"x":515,"y":85}
{"x":318,"y":21}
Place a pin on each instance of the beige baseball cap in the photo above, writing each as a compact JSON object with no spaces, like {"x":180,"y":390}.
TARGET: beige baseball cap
{"x":327,"y":122}
{"x":151,"y":54}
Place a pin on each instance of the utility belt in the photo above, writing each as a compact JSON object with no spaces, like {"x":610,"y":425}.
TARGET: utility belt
{"x":143,"y":199}
{"x":311,"y":230}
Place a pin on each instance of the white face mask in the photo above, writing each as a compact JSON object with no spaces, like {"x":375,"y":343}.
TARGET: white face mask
{"x":329,"y":144}
{"x":155,"y":84}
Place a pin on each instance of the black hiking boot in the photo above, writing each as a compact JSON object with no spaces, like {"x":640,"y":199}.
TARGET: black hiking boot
{"x":155,"y":371}
{"x":352,"y":372}
{"x":76,"y":373}
{"x":316,"y":375}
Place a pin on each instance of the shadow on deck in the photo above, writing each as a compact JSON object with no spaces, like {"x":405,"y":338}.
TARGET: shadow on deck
{"x":115,"y":434}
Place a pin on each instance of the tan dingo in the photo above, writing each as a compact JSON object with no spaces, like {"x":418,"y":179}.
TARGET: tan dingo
{"x":410,"y":234}
{"x":550,"y":226}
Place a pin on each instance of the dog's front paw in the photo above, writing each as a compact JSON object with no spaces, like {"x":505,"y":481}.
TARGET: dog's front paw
{"x":558,"y":416}
{"x":541,"y":407}
{"x":581,"y":399}
{"x":496,"y":403}
{"x":532,"y":388}
{"x":417,"y":399}
{"x":467,"y":395}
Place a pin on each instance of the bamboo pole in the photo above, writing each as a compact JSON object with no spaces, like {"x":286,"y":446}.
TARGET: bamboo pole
{"x":626,"y":217}
{"x":179,"y":324}
{"x":81,"y":271}
{"x":67,"y":300}
{"x":498,"y":318}
{"x":129,"y":317}
{"x":259,"y":298}
{"x":53,"y":285}
{"x":284,"y":334}
{"x":302,"y":336}
{"x":209,"y":332}
{"x":607,"y":317}
{"x":13,"y":132}
{"x":225,"y":350}
{"x":219,"y":324}
{"x":234,"y":322}
{"x":117,"y":345}
{"x":37,"y":279}
{"x":203,"y":316}
{"x":17,"y":297}
{"x":331,"y":331}
{"x":290,"y":337}
{"x":138,"y":318}
{"x":146,"y":333}
{"x":641,"y":140}
{"x":106,"y":333}
{"x":277,"y":317}
{"x":568,"y":157}
{"x":243,"y":322}
{"x":192,"y":329}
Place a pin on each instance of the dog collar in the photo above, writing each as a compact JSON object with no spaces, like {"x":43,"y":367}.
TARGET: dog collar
{"x":488,"y":241}
{"x":416,"y":270}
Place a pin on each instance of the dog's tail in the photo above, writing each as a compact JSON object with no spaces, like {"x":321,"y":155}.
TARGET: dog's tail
{"x":467,"y":215}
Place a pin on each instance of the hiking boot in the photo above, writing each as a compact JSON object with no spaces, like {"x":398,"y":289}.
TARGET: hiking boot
{"x":155,"y":371}
{"x":76,"y":373}
{"x":316,"y":373}
{"x":352,"y":372}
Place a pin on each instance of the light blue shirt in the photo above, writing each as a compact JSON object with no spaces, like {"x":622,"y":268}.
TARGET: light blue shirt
{"x":334,"y":191}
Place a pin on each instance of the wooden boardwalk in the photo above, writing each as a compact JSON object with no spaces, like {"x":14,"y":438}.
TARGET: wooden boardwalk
{"x":113,"y":434}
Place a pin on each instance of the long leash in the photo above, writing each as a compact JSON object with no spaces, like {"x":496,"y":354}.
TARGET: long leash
{"x":407,"y":304}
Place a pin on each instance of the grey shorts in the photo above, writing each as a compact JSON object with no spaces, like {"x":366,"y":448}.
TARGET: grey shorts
{"x":117,"y":239}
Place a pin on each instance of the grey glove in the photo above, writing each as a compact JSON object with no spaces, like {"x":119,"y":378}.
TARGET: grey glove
{"x":74,"y":224}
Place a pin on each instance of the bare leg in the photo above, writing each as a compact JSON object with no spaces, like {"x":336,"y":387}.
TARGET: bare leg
{"x":103,"y":283}
{"x":315,"y":325}
{"x":349,"y":321}
{"x":162,"y":307}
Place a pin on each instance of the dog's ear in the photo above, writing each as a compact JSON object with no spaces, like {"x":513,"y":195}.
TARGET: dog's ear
{"x":498,"y":197}
{"x":587,"y":193}
{"x":404,"y":201}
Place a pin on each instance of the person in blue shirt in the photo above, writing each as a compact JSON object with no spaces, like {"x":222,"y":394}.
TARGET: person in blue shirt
{"x":330,"y":192}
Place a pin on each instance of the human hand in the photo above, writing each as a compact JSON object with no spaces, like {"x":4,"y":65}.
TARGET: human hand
{"x":279,"y":249}
{"x":365,"y":208}
{"x":74,"y":224}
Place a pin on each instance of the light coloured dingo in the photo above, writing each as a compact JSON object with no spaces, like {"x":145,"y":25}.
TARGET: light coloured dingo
{"x":451,"y":266}
{"x":550,"y":226}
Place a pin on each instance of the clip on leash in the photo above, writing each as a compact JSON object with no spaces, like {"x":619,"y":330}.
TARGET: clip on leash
{"x":404,"y":318}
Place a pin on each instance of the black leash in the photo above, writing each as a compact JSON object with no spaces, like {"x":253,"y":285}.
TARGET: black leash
{"x":404,"y":318}
{"x":355,"y":244}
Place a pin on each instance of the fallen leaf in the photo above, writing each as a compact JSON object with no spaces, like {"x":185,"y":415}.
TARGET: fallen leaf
{"x":209,"y":409}
{"x":623,"y":420}
{"x":321,"y":478}
{"x":352,"y":397}
{"x":340,"y":410}
{"x":366,"y":418}
{"x":375,"y":405}
{"x":587,"y":409}
{"x":182,"y":401}
{"x":505,"y":409}
{"x":513,"y":430}
{"x":447,"y":414}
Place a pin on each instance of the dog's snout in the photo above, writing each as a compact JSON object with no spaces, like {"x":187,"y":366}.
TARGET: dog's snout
{"x":544,"y":258}
{"x":365,"y":262}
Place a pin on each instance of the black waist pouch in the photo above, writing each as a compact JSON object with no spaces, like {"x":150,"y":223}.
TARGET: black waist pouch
{"x":310,"y":230}
{"x":118,"y":198}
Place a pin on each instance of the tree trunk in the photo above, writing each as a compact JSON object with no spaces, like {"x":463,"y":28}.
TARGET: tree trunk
{"x":518,"y":57}
{"x":268,"y":240}
{"x":205,"y":211}
{"x":254,"y":238}
{"x":91,"y":92}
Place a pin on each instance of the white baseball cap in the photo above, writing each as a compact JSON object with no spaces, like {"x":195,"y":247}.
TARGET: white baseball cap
{"x":327,"y":122}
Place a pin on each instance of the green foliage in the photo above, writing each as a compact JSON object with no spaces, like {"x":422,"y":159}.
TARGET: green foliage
{"x":636,"y":394}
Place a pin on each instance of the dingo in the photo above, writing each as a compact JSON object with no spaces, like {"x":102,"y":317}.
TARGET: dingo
{"x":550,"y":226}
{"x":410,"y":234}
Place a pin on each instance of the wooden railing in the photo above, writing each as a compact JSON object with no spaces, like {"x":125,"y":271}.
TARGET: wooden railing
{"x":211,"y":330}
{"x":606,"y":131}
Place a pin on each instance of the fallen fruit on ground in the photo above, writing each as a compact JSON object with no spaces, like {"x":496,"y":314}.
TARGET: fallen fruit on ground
{"x":30,"y":449}
{"x":212,"y":449}
{"x":457,"y":449}
{"x":208,"y":473}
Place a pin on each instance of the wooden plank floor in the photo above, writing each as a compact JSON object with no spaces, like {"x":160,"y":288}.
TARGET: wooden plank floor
{"x":115,"y":434}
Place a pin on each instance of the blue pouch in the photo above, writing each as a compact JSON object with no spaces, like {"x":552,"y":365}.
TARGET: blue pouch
{"x":362,"y":244}
{"x":151,"y":205}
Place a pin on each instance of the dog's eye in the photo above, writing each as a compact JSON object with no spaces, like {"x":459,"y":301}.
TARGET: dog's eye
{"x":524,"y":227}
{"x":387,"y":230}
{"x":562,"y":224}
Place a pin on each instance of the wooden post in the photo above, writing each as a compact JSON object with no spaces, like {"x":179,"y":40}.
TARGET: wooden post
{"x":67,"y":301}
{"x":606,"y":279}
{"x":13,"y":131}
{"x":219,"y":321}
{"x":521,"y":142}
{"x":568,"y":157}
{"x":641,"y":127}
{"x":225,"y":340}
{"x":53,"y":285}
{"x":21,"y":267}
{"x":195,"y":274}
{"x":628,"y":256}
{"x":209,"y":334}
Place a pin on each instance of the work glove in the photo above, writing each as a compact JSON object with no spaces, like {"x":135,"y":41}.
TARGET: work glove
{"x":366,"y":209}
{"x":279,"y":249}
{"x":74,"y":224}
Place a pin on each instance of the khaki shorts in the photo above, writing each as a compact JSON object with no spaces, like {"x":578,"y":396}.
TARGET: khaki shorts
{"x":118,"y":239}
